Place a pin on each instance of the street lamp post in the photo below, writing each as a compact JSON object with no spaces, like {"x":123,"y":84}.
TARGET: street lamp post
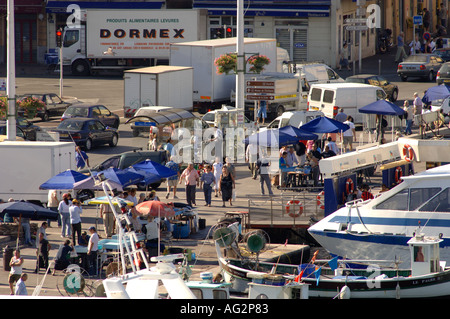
{"x":11,"y":75}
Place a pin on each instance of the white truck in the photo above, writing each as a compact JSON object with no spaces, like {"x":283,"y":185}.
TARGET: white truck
{"x":126,"y":39}
{"x":211,"y":89}
{"x":157,"y":85}
{"x":24,"y":166}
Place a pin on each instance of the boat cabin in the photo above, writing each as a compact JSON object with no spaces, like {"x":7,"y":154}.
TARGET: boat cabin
{"x":424,"y":255}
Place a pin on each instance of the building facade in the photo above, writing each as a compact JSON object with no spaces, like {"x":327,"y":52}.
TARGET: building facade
{"x":310,"y":30}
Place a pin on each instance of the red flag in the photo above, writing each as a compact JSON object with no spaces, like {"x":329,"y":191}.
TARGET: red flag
{"x":313,"y":259}
{"x":285,"y":243}
{"x":299,"y":277}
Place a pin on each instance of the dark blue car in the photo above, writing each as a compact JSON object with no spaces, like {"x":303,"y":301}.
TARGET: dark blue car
{"x":95,"y":111}
{"x":87,"y":132}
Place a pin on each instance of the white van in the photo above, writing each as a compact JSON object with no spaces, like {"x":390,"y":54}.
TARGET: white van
{"x":295,"y":118}
{"x":329,"y":98}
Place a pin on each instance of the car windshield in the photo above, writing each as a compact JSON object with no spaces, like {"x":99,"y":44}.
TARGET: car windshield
{"x":77,"y":111}
{"x":71,"y":125}
{"x":416,"y":58}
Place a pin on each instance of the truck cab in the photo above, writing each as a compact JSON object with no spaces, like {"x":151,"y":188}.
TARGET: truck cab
{"x":74,"y":50}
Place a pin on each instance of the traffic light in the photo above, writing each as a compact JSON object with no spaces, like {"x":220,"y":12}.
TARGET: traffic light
{"x":59,"y":38}
{"x":229,"y":32}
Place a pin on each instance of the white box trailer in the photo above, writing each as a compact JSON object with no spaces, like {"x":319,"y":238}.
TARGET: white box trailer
{"x":24,"y":166}
{"x":158,"y":85}
{"x":211,"y":90}
{"x":115,"y":39}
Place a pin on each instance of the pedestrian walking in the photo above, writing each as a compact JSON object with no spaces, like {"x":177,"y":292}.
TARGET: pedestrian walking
{"x":75,"y":220}
{"x":63,"y":210}
{"x":172,"y":181}
{"x":264,"y":177}
{"x":262,"y":111}
{"x":191,"y":181}
{"x":15,"y":273}
{"x":400,"y":48}
{"x":81,"y":158}
{"x":217,"y":170}
{"x":343,"y":57}
{"x":443,"y":15}
{"x":25,"y":223}
{"x":226,"y":186}
{"x":409,"y":115}
{"x":349,"y":136}
{"x":206,"y":180}
{"x":251,"y":157}
{"x":418,"y":110}
{"x":44,"y":248}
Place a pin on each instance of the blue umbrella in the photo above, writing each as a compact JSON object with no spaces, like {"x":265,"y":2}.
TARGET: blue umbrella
{"x":434,"y":93}
{"x":382,"y":107}
{"x":152,"y":167}
{"x":122,"y":177}
{"x":324,"y":124}
{"x":271,"y":138}
{"x":298,"y":133}
{"x":148,"y":178}
{"x":64,"y":180}
{"x":27,"y":210}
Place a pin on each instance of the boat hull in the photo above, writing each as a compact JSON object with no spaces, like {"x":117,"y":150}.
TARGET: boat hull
{"x":427,"y":286}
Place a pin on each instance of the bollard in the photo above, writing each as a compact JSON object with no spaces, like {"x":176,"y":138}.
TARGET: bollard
{"x":379,"y":66}
{"x":7,"y":255}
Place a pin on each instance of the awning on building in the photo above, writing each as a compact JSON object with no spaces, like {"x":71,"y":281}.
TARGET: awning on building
{"x":283,"y":8}
{"x":61,"y":6}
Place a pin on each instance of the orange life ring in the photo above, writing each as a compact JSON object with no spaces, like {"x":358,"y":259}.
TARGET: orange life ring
{"x":320,"y":201}
{"x":349,"y":186}
{"x":398,"y":174}
{"x":408,"y":153}
{"x":292,"y":213}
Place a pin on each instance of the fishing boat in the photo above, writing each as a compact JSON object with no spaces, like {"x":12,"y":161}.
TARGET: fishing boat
{"x":381,"y":227}
{"x":427,"y":277}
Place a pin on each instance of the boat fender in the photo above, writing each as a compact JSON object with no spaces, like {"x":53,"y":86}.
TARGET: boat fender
{"x":292,"y":213}
{"x":320,"y":199}
{"x":349,"y":186}
{"x":408,"y":153}
{"x":345,"y":293}
{"x":398,"y":174}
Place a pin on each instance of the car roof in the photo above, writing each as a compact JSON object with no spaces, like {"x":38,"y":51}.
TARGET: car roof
{"x":81,"y":119}
{"x":361,"y":76}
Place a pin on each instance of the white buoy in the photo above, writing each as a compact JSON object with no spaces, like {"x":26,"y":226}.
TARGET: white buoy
{"x":345,"y":293}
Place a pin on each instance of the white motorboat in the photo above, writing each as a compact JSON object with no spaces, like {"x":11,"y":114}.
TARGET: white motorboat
{"x":380,"y":228}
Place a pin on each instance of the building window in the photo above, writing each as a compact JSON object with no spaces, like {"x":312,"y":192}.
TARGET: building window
{"x":226,"y":27}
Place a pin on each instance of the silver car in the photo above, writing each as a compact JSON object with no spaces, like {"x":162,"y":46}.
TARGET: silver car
{"x":420,"y":65}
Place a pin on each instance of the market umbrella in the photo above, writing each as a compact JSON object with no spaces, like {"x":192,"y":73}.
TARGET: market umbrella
{"x":155,"y":168}
{"x":271,"y":138}
{"x":90,"y":183}
{"x":64,"y":180}
{"x":27,"y":210}
{"x":383,"y":107}
{"x":434,"y":93}
{"x":104,"y":200}
{"x":324,"y":124}
{"x":298,"y":133}
{"x":155,"y":208}
{"x":148,"y":178}
{"x":123,"y":177}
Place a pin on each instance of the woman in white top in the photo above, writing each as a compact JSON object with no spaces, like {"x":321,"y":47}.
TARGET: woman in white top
{"x":217,"y":167}
{"x":63,"y":210}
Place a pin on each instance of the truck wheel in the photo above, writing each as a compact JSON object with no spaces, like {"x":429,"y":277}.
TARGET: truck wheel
{"x":394,"y":96}
{"x":80,"y":67}
{"x":280,"y":110}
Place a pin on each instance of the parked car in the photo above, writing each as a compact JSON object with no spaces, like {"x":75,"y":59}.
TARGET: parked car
{"x":54,"y":105}
{"x":443,"y":53}
{"x":95,"y":111}
{"x":443,"y":75}
{"x":87,"y":132}
{"x":24,"y":129}
{"x":389,"y":88}
{"x":420,"y":65}
{"x":20,"y":135}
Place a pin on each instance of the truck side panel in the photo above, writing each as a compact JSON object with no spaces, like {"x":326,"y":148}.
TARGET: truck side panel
{"x":24,"y":166}
{"x":132,"y":93}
